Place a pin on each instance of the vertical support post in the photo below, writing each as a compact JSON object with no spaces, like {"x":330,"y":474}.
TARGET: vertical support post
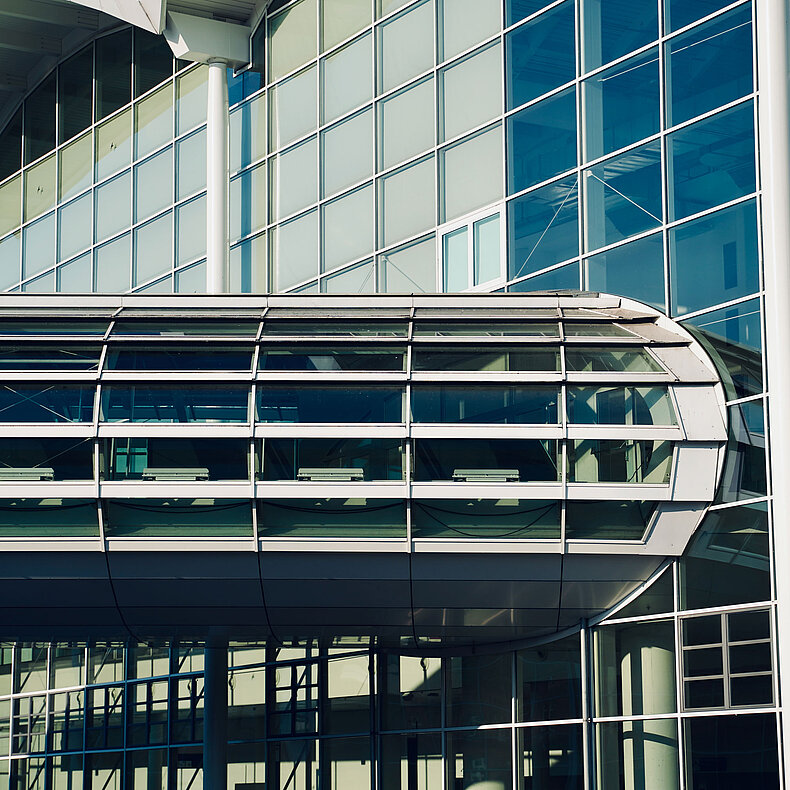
{"x":215,"y":717}
{"x":217,"y":178}
{"x":774,"y":141}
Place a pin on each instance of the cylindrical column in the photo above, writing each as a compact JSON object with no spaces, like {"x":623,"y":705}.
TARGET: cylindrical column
{"x":217,"y":178}
{"x":215,"y":717}
{"x":773,"y":68}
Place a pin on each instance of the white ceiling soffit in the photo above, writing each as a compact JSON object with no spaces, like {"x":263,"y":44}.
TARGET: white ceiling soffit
{"x":147,"y":14}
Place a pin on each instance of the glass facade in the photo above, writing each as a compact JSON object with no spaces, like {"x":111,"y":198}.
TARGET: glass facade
{"x":391,"y":147}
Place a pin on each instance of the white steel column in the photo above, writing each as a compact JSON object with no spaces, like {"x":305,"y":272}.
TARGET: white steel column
{"x":774,"y":142}
{"x":217,"y":178}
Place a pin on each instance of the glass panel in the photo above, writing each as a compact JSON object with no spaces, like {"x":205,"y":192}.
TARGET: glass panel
{"x":621,"y":105}
{"x":638,"y":752}
{"x":10,"y":204}
{"x":480,"y":758}
{"x":43,"y":284}
{"x":710,"y":65}
{"x":191,"y":245}
{"x":679,"y":13}
{"x":471,"y":174}
{"x":414,"y":761}
{"x":614,"y":360}
{"x":620,"y":406}
{"x":489,"y":519}
{"x":328,"y":460}
{"x":321,"y":404}
{"x":88,"y":328}
{"x":113,"y":145}
{"x":293,"y":38}
{"x":293,"y":108}
{"x":464,"y":23}
{"x":719,"y":250}
{"x":348,"y":228}
{"x":407,"y":200}
{"x":191,"y":164}
{"x":75,"y":221}
{"x":177,"y":517}
{"x":165,"y":356}
{"x":406,"y":122}
{"x":295,"y":249}
{"x":614,"y":272}
{"x":355,"y":280}
{"x":347,"y":153}
{"x":411,"y":699}
{"x":40,"y":120}
{"x":354,"y":517}
{"x":113,"y":72}
{"x":744,"y":474}
{"x":479,"y":690}
{"x":40,"y":188}
{"x":409,"y":269}
{"x":619,"y":461}
{"x":712,"y":162}
{"x":484,"y":328}
{"x":331,"y":327}
{"x":611,"y":30}
{"x":543,"y":227}
{"x":10,"y":250}
{"x":48,"y":517}
{"x":589,"y":520}
{"x":347,"y":77}
{"x":341,"y":19}
{"x":46,"y":403}
{"x":485,"y":460}
{"x":549,"y":681}
{"x":42,"y":459}
{"x":726,"y":751}
{"x":486,"y":250}
{"x":175,"y":330}
{"x":153,"y":61}
{"x":555,"y":753}
{"x":200,"y":403}
{"x":75,"y":94}
{"x":175,"y":460}
{"x":76,"y":276}
{"x":727,"y":563}
{"x":541,"y":141}
{"x":113,"y":206}
{"x":455,"y":256}
{"x":488,"y":360}
{"x":405,"y":46}
{"x":295,"y":179}
{"x":511,"y":405}
{"x":623,"y":196}
{"x":733,"y":338}
{"x":191,"y":98}
{"x":247,"y":133}
{"x":551,"y":34}
{"x":45,"y":357}
{"x":247,"y":267}
{"x":11,"y":145}
{"x":39,"y":246}
{"x":332,"y":358}
{"x":191,"y":280}
{"x":471,"y":91}
{"x":153,"y":120}
{"x":153,"y":249}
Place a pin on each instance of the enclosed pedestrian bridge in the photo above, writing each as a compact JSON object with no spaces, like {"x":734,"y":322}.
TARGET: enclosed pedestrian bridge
{"x":416,"y":470}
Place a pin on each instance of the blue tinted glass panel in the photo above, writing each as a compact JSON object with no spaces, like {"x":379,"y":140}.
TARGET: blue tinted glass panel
{"x":621,"y":105}
{"x":561,"y":279}
{"x":540,"y":55}
{"x":714,"y":259}
{"x":613,"y":28}
{"x":590,"y":520}
{"x":333,"y":359}
{"x":733,"y":338}
{"x":709,"y":66}
{"x":330,"y":404}
{"x":45,"y":403}
{"x":45,"y":357}
{"x":48,"y":517}
{"x":484,"y":404}
{"x":541,"y":141}
{"x":635,"y":270}
{"x":174,"y":404}
{"x":42,"y":459}
{"x":543,"y":228}
{"x":177,"y":357}
{"x":623,"y":196}
{"x":744,"y":475}
{"x":516,"y":10}
{"x":679,"y":13}
{"x":151,"y":517}
{"x":355,"y":517}
{"x":712,"y":162}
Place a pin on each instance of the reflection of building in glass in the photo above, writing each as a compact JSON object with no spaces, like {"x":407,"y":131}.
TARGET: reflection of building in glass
{"x":240,"y":550}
